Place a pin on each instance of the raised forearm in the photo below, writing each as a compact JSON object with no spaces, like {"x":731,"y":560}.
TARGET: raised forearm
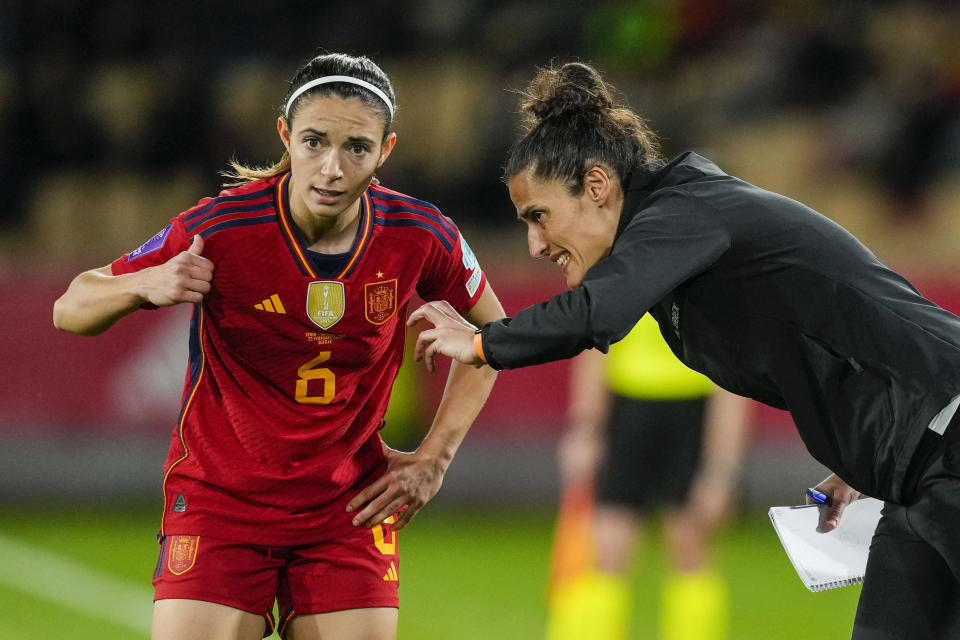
{"x":465,"y":393}
{"x":412,"y":479}
{"x":95,"y":300}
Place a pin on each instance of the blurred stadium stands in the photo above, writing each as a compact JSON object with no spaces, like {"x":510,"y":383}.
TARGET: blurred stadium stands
{"x":114,"y":118}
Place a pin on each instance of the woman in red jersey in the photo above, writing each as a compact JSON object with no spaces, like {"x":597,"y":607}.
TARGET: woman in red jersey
{"x":277,"y":485}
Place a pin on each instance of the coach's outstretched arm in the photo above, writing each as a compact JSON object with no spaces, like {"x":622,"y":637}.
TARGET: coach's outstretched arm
{"x":96,"y":299}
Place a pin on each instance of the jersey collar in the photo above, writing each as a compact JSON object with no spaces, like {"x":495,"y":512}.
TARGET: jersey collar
{"x":294,"y":238}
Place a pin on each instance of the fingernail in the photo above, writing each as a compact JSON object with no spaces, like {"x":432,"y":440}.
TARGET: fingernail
{"x":356,"y":522}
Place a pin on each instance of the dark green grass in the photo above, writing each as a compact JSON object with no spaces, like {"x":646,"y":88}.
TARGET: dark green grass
{"x":464,"y":576}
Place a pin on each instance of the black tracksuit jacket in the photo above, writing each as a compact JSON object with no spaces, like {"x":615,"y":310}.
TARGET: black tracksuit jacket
{"x":769,"y":299}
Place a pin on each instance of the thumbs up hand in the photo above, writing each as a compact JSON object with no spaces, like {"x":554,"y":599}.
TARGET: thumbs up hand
{"x":186,"y":277}
{"x":196,"y":247}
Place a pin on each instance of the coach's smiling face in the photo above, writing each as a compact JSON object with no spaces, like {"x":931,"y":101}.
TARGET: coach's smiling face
{"x":574,"y":231}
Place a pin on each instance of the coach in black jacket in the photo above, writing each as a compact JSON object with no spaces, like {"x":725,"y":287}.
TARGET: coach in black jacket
{"x":765,"y":296}
{"x":769,"y":299}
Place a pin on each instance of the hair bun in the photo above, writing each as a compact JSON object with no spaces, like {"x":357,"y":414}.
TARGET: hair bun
{"x":573,"y":87}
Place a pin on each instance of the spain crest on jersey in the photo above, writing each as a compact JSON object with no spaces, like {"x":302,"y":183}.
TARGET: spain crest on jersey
{"x":380,"y":300}
{"x":325,"y":302}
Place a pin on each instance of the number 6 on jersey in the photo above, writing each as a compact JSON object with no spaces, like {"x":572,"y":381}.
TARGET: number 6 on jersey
{"x":307,"y":372}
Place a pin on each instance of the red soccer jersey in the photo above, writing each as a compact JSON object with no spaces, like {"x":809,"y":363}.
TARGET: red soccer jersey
{"x":290,"y":370}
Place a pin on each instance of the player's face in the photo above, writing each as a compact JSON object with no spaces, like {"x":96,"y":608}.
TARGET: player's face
{"x":335,"y":145}
{"x":572,"y":231}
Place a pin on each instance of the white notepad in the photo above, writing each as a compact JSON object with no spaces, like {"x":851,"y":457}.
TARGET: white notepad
{"x":827,"y":560}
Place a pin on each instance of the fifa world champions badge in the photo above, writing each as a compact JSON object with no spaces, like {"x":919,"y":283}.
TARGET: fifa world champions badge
{"x":325,"y":302}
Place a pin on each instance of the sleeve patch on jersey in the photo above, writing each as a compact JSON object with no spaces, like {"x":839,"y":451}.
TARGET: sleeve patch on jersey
{"x":151,"y":245}
{"x":469,"y":260}
{"x":474,"y":282}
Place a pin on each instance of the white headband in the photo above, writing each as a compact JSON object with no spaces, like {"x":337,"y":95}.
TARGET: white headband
{"x":348,"y":79}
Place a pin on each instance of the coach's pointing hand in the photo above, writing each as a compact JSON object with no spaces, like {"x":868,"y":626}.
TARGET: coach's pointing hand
{"x":451,"y":336}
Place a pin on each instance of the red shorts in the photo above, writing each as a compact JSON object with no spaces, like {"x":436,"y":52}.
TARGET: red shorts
{"x":356,"y":571}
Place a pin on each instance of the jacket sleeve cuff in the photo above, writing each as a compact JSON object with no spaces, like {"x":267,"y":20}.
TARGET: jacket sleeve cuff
{"x":478,"y":345}
{"x":484,"y":352}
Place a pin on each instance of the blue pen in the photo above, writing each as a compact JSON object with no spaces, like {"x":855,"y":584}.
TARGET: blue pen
{"x":818,"y":496}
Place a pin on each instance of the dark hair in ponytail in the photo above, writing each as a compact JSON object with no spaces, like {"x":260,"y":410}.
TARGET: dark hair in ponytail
{"x":573,"y":123}
{"x":328,"y":64}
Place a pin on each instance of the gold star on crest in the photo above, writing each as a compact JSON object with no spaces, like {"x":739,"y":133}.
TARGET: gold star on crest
{"x":379,"y":274}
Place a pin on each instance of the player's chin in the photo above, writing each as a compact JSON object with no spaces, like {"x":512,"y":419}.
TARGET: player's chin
{"x":329,"y":209}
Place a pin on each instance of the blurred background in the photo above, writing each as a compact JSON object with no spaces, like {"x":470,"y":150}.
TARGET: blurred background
{"x":114,"y":117}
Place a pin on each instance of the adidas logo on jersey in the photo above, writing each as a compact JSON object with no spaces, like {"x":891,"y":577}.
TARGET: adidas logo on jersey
{"x":271,"y":304}
{"x":391,"y":575}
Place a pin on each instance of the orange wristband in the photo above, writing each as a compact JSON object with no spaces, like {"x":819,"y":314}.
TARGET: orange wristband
{"x":478,"y":345}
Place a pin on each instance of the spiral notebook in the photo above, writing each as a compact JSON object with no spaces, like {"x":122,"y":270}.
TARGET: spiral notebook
{"x":827,"y":560}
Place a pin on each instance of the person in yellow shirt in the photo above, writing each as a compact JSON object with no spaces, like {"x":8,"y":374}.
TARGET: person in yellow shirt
{"x":646,"y":435}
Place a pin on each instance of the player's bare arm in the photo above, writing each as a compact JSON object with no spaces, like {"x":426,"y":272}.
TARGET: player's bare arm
{"x":412,"y":479}
{"x":96,"y":299}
